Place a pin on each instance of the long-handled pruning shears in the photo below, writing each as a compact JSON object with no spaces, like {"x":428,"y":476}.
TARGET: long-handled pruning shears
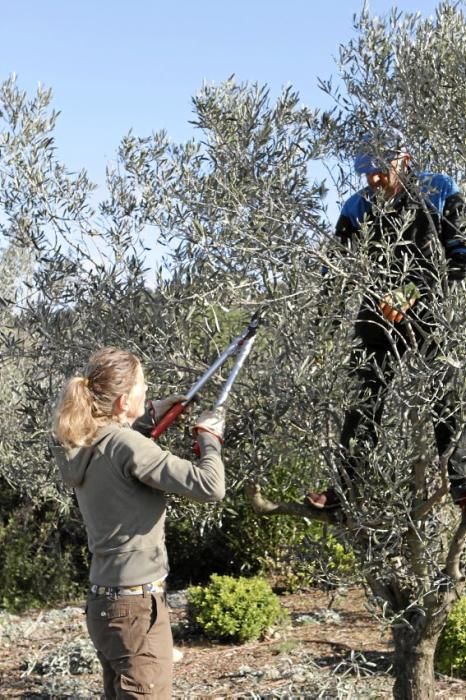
{"x":242,"y":344}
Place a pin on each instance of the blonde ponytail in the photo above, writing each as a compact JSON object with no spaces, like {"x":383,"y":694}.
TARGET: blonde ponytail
{"x":87,"y":402}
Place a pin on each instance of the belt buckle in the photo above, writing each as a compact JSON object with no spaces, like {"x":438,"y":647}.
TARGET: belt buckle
{"x":156,"y":586}
{"x":109,"y":591}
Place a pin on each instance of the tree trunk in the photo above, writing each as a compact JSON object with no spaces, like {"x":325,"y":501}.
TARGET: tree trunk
{"x":414,"y":663}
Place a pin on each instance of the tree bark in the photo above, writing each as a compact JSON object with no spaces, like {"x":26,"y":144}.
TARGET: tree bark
{"x":414,"y":663}
{"x":415,"y":637}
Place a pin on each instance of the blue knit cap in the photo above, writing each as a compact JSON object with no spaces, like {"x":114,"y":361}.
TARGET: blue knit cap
{"x":377,"y":149}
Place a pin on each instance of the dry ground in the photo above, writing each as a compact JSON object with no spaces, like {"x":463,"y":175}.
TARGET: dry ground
{"x":332,"y":648}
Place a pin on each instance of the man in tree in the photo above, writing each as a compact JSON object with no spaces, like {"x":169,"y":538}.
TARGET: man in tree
{"x":413,"y":228}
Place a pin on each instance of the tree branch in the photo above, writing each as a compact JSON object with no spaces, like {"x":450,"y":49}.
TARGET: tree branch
{"x":423,"y":508}
{"x":262,"y":506}
{"x":452,"y":567}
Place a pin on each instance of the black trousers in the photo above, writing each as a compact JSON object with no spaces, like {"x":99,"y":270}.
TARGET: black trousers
{"x":381,"y":344}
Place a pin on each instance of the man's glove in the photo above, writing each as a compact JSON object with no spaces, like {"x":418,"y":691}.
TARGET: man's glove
{"x":395,"y":304}
{"x":212,"y":422}
{"x":159,"y":408}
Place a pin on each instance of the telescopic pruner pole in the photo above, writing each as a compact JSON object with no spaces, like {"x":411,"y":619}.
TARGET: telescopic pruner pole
{"x":242,"y":343}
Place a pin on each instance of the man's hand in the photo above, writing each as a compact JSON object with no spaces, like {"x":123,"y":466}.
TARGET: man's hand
{"x":212,"y":422}
{"x":395,"y":304}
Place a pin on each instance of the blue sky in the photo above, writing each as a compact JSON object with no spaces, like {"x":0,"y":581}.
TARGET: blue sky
{"x":115,"y":64}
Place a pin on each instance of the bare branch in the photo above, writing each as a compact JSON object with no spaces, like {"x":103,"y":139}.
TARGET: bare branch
{"x":263,"y":506}
{"x":453,"y":567}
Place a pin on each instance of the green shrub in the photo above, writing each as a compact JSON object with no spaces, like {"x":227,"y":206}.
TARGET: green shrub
{"x":451,"y":648}
{"x":238,"y":609}
{"x":231,"y":539}
{"x":310,"y":556}
{"x":38,"y":567}
{"x":195,"y":543}
{"x":291,"y":552}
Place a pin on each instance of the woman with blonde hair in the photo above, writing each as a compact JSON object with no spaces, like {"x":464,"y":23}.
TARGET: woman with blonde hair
{"x":120,"y":478}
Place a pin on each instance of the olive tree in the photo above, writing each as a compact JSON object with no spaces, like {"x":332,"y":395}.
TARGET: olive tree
{"x":250,"y":229}
{"x":404,"y":72}
{"x":236,"y":213}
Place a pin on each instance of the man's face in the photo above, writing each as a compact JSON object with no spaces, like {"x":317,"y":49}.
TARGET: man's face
{"x":389,"y":181}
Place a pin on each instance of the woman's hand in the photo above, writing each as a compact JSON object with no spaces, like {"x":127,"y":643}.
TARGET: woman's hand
{"x":161,"y":406}
{"x":212,"y":422}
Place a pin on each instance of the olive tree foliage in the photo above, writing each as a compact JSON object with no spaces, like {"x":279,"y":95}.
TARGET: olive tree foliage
{"x":68,"y":268}
{"x":408,"y":72}
{"x":241,"y":220}
{"x":242,"y":223}
{"x":36,"y":195}
{"x":405,"y":72}
{"x":245,"y":223}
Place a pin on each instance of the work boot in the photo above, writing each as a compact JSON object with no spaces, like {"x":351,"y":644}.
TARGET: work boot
{"x":327,"y":500}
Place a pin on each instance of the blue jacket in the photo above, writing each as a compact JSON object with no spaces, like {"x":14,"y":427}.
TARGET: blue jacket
{"x":429,"y":209}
